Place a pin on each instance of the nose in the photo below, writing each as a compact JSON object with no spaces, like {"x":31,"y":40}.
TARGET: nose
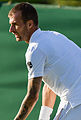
{"x":12,"y":29}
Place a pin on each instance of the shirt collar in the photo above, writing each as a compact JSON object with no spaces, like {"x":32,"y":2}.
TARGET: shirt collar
{"x":35,"y":35}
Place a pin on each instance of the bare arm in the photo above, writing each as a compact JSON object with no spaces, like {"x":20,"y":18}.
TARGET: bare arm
{"x":30,"y":99}
{"x":48,"y":101}
{"x":48,"y":97}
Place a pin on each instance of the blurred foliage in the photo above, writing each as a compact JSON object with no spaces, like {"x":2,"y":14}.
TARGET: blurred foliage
{"x":55,"y":2}
{"x":31,"y":1}
{"x":70,"y":2}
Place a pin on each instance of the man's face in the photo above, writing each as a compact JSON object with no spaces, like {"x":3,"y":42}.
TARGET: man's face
{"x":18,"y":27}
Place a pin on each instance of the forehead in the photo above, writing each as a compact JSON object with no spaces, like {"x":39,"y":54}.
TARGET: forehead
{"x":15,"y":17}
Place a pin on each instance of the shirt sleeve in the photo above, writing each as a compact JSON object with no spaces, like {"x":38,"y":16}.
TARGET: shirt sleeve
{"x":35,"y":61}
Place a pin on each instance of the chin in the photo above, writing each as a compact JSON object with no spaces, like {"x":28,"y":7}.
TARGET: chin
{"x":18,"y":39}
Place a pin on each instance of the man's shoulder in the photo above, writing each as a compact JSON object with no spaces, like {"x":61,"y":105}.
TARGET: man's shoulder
{"x":32,"y":47}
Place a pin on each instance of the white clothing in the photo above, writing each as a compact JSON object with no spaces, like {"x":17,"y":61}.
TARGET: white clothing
{"x":58,"y":60}
{"x":45,"y":113}
{"x":70,"y":113}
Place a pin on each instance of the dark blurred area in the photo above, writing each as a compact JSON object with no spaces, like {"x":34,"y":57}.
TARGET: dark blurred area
{"x":54,"y":2}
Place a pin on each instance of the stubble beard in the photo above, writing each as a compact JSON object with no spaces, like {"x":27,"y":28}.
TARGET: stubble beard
{"x":24,"y":36}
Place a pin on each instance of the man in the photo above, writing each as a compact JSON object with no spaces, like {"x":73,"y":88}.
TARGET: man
{"x":50,"y":57}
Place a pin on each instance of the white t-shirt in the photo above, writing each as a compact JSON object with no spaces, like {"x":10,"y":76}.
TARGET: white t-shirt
{"x":58,"y":60}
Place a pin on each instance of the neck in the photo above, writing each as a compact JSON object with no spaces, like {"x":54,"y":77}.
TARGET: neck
{"x":31,"y":32}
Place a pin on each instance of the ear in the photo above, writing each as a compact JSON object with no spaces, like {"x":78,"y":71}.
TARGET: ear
{"x":29,"y":24}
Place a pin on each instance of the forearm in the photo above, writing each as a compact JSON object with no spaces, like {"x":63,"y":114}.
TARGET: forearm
{"x":48,"y":101}
{"x":30,"y":99}
{"x":26,"y":107}
{"x":48,"y":97}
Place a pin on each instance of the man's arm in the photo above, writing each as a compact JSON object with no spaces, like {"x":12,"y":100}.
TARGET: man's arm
{"x":48,"y":97}
{"x":48,"y":101}
{"x":30,"y":99}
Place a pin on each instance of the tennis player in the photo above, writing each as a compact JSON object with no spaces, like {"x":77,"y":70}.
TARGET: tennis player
{"x":51,"y":57}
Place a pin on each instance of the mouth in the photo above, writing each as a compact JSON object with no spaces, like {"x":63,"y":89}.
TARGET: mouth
{"x":17,"y":36}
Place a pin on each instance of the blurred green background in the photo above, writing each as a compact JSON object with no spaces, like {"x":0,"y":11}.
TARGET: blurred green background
{"x":13,"y":71}
{"x":55,"y":2}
